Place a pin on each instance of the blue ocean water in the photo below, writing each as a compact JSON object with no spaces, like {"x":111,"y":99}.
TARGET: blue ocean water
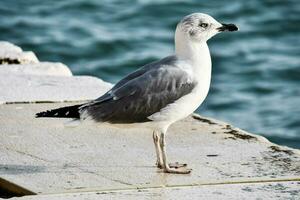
{"x":256,"y":71}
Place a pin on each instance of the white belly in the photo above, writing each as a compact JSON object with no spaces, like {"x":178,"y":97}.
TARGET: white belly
{"x":184,"y":106}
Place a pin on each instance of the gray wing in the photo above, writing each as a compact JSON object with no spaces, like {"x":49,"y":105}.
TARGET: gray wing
{"x":141,"y":94}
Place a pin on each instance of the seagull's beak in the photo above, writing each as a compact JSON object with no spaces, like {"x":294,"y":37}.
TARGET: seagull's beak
{"x":228,"y":27}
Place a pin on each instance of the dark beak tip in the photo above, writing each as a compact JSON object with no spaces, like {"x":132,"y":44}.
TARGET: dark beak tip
{"x":228,"y":27}
{"x":233,"y":27}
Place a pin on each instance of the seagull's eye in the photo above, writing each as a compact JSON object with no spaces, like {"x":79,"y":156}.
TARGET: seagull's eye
{"x":203,"y":25}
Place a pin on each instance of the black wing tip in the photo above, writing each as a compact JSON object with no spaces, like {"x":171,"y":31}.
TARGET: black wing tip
{"x":46,"y":113}
{"x":63,"y":112}
{"x":40,"y":114}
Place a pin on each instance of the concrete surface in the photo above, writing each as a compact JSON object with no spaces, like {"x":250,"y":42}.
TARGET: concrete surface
{"x":257,"y":191}
{"x":46,"y":157}
{"x":29,"y":88}
{"x":50,"y":158}
{"x":11,"y":54}
{"x":42,"y":68}
{"x":9,"y":47}
{"x":26,"y":80}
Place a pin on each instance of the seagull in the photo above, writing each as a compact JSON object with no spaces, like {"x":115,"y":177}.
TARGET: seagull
{"x":159,"y":93}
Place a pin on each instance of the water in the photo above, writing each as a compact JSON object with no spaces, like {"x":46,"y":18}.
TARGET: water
{"x":256,"y":72}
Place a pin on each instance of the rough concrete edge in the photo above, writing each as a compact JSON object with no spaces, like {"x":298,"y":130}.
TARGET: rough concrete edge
{"x":10,"y":57}
{"x":199,"y":184}
{"x":14,"y":188}
{"x":30,"y":57}
{"x":66,"y":68}
{"x":14,"y":49}
{"x":242,"y":133}
{"x":63,"y":70}
{"x":13,"y":54}
{"x":58,"y":101}
{"x":10,"y":46}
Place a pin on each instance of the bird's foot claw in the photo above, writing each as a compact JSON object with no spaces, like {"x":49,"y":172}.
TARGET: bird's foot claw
{"x":181,"y":170}
{"x":174,"y":168}
{"x":175,"y":165}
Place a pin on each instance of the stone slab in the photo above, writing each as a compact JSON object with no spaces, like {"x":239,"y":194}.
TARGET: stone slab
{"x":42,"y":68}
{"x":18,"y":58}
{"x":267,"y":190}
{"x":9,"y":47}
{"x":47,"y":157}
{"x":12,"y":54}
{"x":30,"y":88}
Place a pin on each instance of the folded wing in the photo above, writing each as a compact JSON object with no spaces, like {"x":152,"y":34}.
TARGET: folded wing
{"x":141,"y":94}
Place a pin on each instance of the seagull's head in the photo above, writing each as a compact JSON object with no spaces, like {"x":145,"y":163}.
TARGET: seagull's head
{"x":200,"y":27}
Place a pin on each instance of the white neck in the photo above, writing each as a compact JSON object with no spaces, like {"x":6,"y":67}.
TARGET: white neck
{"x":196,"y":53}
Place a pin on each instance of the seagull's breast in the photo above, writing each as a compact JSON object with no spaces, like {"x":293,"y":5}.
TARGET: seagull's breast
{"x":187,"y":104}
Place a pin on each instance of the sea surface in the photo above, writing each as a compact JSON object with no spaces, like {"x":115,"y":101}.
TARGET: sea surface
{"x":256,"y":71}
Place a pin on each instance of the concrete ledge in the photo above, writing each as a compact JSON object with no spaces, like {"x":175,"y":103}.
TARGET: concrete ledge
{"x":30,"y":89}
{"x":42,"y":68}
{"x":60,"y":159}
{"x":8,"y":47}
{"x":18,"y":58}
{"x":50,"y":158}
{"x":30,"y":81}
{"x":11,"y":54}
{"x":265,"y":191}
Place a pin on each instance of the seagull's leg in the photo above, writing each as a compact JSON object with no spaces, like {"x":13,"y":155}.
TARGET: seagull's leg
{"x":166,"y":166}
{"x":159,"y":162}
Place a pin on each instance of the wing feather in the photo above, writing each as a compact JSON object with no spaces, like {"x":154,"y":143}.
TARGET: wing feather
{"x":141,"y":94}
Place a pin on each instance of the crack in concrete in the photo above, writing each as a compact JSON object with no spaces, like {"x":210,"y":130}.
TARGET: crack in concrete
{"x":101,"y":175}
{"x":176,"y":186}
{"x":202,"y":119}
{"x":27,"y":154}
